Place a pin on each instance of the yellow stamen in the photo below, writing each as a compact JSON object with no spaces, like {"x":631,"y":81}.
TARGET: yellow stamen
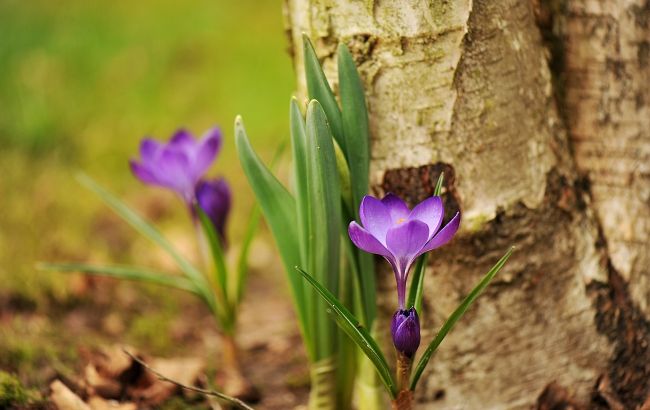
{"x":400,"y":220}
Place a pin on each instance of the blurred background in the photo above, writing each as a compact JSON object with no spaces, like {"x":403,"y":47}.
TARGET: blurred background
{"x":81,"y":82}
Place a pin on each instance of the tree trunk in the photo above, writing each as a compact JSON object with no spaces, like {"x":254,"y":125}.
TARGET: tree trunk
{"x":539,"y":115}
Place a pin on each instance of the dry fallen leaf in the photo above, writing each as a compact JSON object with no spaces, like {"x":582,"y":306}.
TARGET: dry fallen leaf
{"x":97,"y":403}
{"x":154,"y":391}
{"x":65,"y":399}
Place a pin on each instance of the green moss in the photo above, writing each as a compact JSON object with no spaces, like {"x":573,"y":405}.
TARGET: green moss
{"x":14,"y":394}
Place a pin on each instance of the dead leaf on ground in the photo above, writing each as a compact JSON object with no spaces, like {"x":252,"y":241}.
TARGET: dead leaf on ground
{"x":65,"y":399}
{"x":154,"y":391}
{"x":112,"y":375}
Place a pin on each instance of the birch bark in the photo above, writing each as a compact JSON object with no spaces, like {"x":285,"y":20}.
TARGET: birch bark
{"x":539,"y":115}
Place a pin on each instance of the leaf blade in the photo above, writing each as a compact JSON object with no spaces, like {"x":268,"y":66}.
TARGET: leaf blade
{"x":220,"y":270}
{"x":455,"y":316}
{"x":417,"y":284}
{"x":359,"y":335}
{"x":323,"y":216}
{"x":123,"y":272}
{"x":279,"y":209}
{"x":354,"y":115}
{"x":318,"y":88}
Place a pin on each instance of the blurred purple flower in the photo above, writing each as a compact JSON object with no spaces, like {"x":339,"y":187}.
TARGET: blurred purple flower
{"x":405,"y":329}
{"x":400,"y":235}
{"x":178,"y":164}
{"x":213,"y":196}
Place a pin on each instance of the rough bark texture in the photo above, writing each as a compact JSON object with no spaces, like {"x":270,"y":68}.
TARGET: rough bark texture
{"x":466,"y":87}
{"x":607,"y":71}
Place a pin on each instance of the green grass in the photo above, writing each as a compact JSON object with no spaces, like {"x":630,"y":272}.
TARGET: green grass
{"x":81,"y":82}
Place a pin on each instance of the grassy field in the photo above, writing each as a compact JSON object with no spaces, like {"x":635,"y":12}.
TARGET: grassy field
{"x":82,"y":81}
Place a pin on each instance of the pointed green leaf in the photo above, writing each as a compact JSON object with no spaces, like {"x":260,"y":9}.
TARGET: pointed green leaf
{"x":453,"y":318}
{"x":220,"y":270}
{"x":324,"y":214}
{"x":438,"y":189}
{"x":319,"y":89}
{"x":124,"y":272}
{"x":344,"y":177}
{"x":417,"y":284}
{"x":355,"y":122}
{"x":251,"y":229}
{"x":357,"y":141}
{"x":299,"y":154}
{"x":359,"y":334}
{"x":279,"y":209}
{"x":242,"y":260}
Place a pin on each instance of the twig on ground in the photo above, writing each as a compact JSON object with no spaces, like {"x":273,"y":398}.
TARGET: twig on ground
{"x":230,"y":400}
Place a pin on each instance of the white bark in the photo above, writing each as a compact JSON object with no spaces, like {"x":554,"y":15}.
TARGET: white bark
{"x":465,"y":87}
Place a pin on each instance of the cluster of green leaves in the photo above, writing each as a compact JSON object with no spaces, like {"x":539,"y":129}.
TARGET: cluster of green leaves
{"x":330,"y":166}
{"x":214,"y":288}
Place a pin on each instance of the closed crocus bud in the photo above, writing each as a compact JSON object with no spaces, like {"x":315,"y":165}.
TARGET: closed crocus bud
{"x":214,"y":199}
{"x":405,"y":329}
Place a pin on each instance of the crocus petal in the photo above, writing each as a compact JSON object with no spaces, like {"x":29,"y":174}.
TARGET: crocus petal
{"x":149,"y":150}
{"x":444,"y":235}
{"x":143,"y":174}
{"x":398,"y":210}
{"x":173,"y":165}
{"x":405,"y":242}
{"x":375,"y":217}
{"x":207,"y":150}
{"x":182,"y":137}
{"x":430,"y":211}
{"x":364,"y":240}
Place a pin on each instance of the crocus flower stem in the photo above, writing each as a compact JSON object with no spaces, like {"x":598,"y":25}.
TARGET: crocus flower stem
{"x":403,"y":370}
{"x":404,"y":400}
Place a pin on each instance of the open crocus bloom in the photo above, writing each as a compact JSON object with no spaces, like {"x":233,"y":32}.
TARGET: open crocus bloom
{"x":178,"y":164}
{"x":400,"y":235}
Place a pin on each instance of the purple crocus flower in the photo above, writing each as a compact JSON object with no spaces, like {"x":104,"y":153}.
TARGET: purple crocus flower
{"x":405,"y":329}
{"x":178,"y":164}
{"x":213,"y":196}
{"x":400,"y":235}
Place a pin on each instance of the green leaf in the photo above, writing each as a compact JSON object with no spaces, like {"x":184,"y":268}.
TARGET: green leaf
{"x":438,"y":189}
{"x":324,"y":214}
{"x":344,"y":177}
{"x":124,"y":272}
{"x":355,"y":123}
{"x":242,"y":260}
{"x":357,"y":142}
{"x":417,"y":284}
{"x":453,"y":318}
{"x":299,"y":153}
{"x":359,"y":335}
{"x":148,"y":230}
{"x":251,"y":229}
{"x":319,"y":89}
{"x":279,"y":209}
{"x":220,"y":270}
